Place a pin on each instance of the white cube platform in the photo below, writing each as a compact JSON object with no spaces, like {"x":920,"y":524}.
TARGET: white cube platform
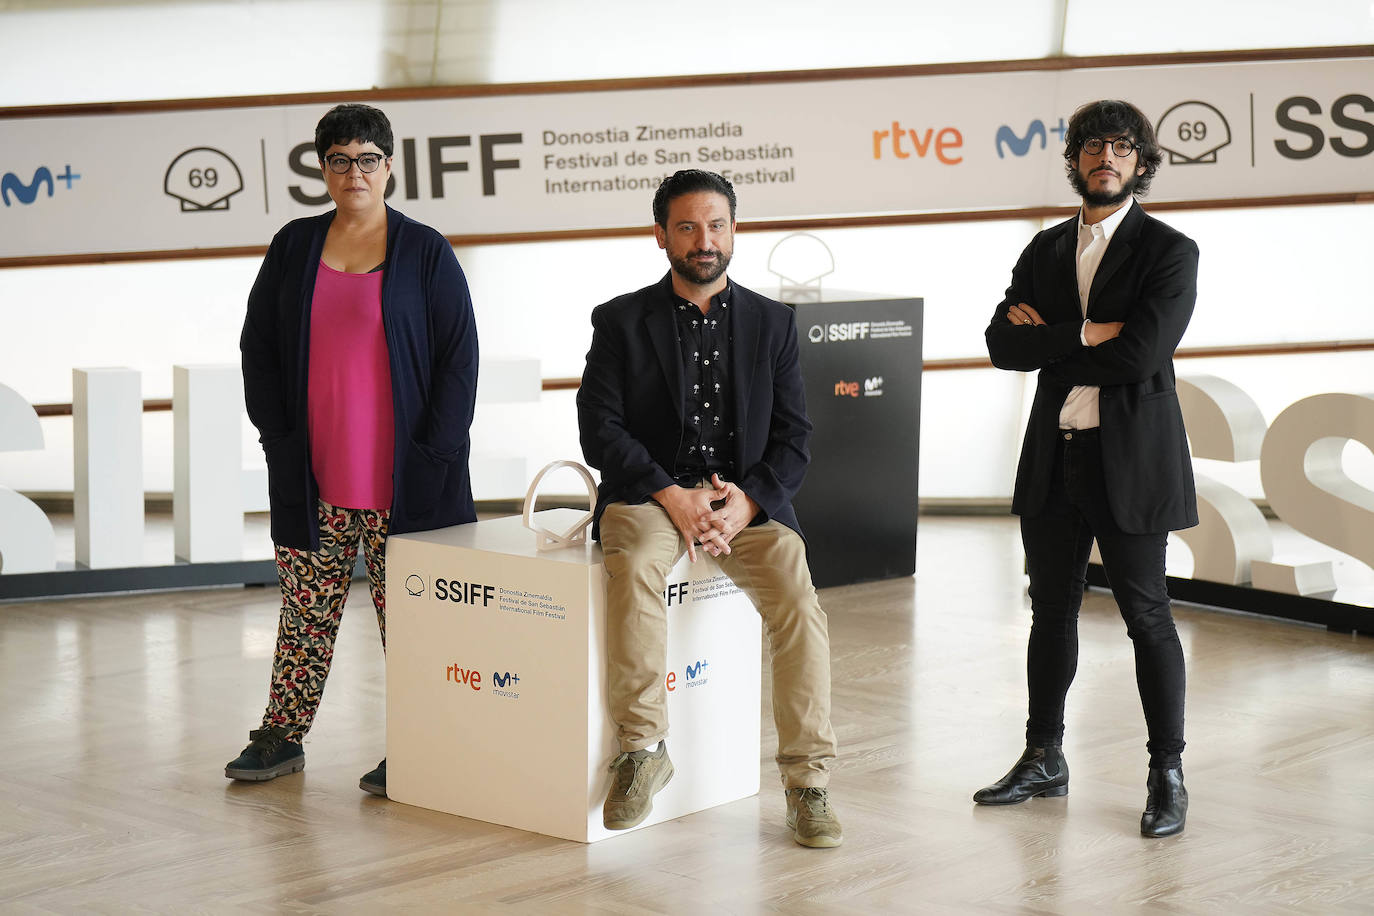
{"x":496,"y":681}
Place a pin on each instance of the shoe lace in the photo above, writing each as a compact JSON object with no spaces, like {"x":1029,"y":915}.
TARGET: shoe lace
{"x":816,"y":800}
{"x":626,"y":777}
{"x":266,"y":741}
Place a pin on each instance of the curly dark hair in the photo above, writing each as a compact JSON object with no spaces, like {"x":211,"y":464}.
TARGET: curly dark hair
{"x":1113,"y":118}
{"x":690,"y":181}
{"x":351,"y":121}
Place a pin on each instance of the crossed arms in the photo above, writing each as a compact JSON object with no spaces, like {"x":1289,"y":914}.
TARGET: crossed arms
{"x":1155,"y":315}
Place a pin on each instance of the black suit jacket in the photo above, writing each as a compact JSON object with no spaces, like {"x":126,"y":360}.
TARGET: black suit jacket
{"x":631,"y":403}
{"x":1147,"y":279}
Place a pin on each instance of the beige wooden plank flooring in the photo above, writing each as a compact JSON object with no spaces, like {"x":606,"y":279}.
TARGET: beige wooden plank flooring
{"x":118,"y":714}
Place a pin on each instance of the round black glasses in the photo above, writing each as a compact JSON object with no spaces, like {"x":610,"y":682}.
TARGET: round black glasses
{"x":1120,"y":146}
{"x":339,"y":164}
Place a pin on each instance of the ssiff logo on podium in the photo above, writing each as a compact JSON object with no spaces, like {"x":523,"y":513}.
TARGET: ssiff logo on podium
{"x":488,"y":650}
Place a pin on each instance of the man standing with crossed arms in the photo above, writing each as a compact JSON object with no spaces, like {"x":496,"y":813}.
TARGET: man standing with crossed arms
{"x":1098,"y":304}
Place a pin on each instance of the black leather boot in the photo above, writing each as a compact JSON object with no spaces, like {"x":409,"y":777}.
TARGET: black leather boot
{"x":1041,"y":771}
{"x":1166,"y":806}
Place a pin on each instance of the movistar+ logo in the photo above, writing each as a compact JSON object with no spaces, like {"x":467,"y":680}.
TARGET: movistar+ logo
{"x":27,"y":192}
{"x":1020,"y":144}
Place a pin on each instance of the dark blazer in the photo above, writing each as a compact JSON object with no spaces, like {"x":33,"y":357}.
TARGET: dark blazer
{"x":431,"y":339}
{"x":1147,"y":279}
{"x":631,"y":403}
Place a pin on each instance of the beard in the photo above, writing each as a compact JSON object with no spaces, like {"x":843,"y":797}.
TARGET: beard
{"x":1102,"y":198}
{"x":700,"y":274}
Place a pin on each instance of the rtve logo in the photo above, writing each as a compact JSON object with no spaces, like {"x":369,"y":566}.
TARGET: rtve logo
{"x":905,"y":140}
{"x":463,"y":592}
{"x":304,"y":161}
{"x":694,"y":674}
{"x":458,"y":675}
{"x":845,"y":389}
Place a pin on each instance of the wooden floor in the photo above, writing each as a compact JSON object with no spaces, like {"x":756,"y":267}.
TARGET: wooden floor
{"x":117,"y":716}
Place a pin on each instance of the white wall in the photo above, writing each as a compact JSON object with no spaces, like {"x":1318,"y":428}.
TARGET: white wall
{"x":1266,"y":275}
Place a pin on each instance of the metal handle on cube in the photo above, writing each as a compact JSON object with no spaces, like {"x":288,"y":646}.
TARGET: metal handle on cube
{"x":575,"y":533}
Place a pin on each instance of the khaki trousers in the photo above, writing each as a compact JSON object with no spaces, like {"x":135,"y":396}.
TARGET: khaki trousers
{"x":768,"y":563}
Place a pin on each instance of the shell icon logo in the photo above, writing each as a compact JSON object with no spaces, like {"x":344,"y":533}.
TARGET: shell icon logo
{"x":203,"y":179}
{"x":1192,"y":132}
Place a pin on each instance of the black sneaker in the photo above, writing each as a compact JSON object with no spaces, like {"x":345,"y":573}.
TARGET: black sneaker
{"x":267,"y":756}
{"x":375,"y":782}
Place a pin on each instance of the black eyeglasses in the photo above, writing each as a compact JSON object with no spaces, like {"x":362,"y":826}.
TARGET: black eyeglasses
{"x":339,"y":164}
{"x":1120,"y":146}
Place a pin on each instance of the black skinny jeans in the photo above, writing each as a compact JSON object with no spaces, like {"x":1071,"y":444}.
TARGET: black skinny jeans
{"x":1058,"y":542}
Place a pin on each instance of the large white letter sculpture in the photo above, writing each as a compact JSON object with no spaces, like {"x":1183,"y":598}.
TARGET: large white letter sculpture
{"x":1224,"y":423}
{"x":1306,"y":485}
{"x":27,"y":543}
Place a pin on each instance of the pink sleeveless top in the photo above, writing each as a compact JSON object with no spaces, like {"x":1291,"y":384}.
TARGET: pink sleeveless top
{"x":352,"y":420}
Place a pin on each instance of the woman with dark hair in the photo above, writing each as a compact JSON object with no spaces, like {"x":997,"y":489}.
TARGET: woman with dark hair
{"x":360,"y":372}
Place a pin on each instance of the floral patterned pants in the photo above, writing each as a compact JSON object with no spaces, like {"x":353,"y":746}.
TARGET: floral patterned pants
{"x":314,"y":586}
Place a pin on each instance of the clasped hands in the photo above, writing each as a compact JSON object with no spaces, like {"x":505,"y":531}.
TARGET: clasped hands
{"x":708,"y":516}
{"x":1094,"y":332}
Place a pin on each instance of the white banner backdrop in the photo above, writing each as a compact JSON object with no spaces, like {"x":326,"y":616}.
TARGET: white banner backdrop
{"x":228,"y":177}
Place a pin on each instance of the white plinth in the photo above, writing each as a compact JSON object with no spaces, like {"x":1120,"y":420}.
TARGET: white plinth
{"x":496,"y":681}
{"x":107,"y":463}
{"x":207,"y":485}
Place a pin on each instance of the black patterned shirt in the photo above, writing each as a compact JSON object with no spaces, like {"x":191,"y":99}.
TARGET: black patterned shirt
{"x":708,"y":421}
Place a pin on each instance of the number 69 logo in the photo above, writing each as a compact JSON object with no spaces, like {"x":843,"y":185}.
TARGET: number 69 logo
{"x":1192,"y":132}
{"x":203,"y":179}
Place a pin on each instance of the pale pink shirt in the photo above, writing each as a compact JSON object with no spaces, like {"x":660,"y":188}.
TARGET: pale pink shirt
{"x":352,"y":421}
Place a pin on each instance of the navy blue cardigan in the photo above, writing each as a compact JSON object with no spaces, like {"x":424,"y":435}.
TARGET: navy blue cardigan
{"x":431,"y":337}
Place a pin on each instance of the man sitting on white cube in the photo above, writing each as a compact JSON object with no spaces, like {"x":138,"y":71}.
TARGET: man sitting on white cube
{"x":692,"y":408}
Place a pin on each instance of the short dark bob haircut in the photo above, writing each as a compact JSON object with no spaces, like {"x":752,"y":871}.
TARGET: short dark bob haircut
{"x":351,"y":121}
{"x":690,"y":181}
{"x":1114,"y":118}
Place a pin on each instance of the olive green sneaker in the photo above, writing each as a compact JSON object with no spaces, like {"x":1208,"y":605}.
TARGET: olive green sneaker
{"x":636,"y":777}
{"x":811,"y":818}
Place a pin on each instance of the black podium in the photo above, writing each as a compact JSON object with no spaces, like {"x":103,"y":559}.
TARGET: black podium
{"x":861,"y":364}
